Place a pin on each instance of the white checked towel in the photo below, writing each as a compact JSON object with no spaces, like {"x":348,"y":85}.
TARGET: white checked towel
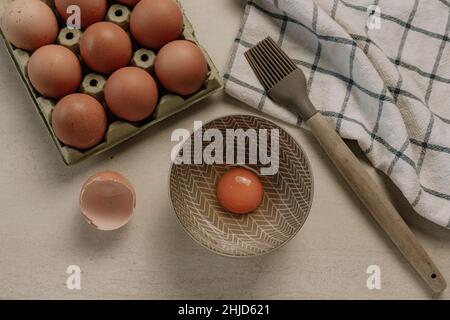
{"x":388,"y":87}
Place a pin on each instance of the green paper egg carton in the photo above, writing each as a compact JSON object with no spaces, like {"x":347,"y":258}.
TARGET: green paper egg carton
{"x":93,"y":84}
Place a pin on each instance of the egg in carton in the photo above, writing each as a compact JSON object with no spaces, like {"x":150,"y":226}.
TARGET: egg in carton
{"x":93,"y":84}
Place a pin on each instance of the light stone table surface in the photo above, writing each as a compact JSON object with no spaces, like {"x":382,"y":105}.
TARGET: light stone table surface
{"x":42,"y":232}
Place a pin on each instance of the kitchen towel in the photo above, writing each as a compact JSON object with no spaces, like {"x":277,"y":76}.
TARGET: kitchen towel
{"x":378,"y":70}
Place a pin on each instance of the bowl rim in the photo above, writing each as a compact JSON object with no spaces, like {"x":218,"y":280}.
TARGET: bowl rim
{"x":244,"y":257}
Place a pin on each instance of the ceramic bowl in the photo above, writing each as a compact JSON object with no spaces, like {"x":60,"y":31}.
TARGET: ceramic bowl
{"x":287,"y":197}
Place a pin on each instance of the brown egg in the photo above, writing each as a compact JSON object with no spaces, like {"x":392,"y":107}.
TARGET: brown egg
{"x":29,"y":24}
{"x":131,"y":94}
{"x":79,"y":121}
{"x":156,"y":22}
{"x":107,"y":200}
{"x":92,"y":11}
{"x":128,"y":2}
{"x":181,"y":67}
{"x":54,"y":71}
{"x":105,"y":47}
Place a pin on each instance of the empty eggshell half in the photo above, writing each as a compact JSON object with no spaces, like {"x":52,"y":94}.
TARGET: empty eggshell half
{"x":107,"y":201}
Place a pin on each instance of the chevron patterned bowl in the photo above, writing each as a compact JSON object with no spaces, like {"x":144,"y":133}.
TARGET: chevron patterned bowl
{"x":286,"y":205}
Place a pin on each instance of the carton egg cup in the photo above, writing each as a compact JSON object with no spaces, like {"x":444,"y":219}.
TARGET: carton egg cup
{"x":93,"y":84}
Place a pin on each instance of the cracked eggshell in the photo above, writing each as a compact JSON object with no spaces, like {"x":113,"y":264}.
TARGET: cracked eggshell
{"x":107,"y":200}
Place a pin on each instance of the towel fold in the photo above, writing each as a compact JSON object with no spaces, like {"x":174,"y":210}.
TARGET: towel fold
{"x":378,"y":70}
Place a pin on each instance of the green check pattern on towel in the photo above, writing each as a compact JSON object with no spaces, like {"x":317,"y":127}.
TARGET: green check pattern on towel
{"x":387,"y":88}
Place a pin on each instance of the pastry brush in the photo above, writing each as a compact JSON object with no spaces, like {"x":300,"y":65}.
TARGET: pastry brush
{"x":286,"y":84}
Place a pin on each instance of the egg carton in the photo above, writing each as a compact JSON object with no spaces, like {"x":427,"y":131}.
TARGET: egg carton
{"x":93,"y":84}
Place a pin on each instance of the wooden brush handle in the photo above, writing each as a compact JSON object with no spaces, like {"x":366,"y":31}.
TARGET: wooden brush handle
{"x":379,"y":206}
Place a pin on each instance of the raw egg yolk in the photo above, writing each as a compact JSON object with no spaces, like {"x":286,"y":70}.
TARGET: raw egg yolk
{"x":240,"y":191}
